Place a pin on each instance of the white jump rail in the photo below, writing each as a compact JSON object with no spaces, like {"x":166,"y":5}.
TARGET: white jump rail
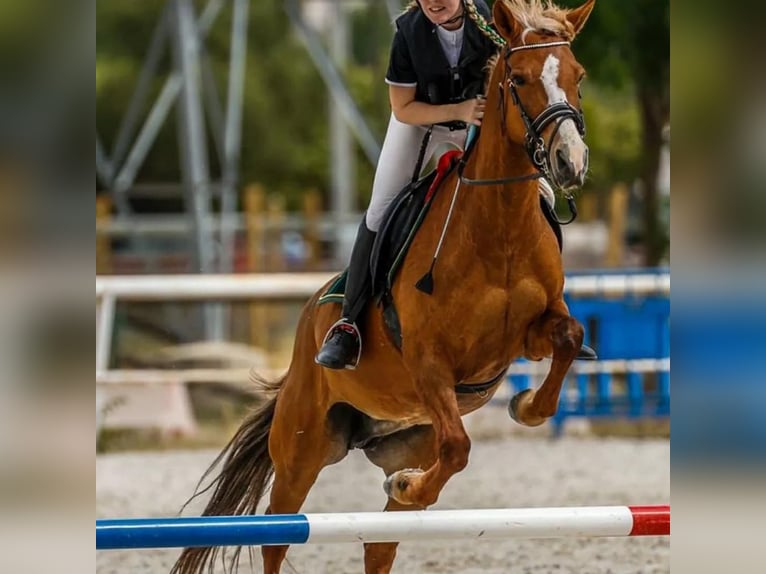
{"x":613,"y":366}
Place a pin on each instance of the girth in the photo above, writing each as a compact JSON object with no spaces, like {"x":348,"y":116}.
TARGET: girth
{"x":479,"y":388}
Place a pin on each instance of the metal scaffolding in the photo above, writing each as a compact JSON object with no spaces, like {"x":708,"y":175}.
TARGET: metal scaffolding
{"x":190,"y":86}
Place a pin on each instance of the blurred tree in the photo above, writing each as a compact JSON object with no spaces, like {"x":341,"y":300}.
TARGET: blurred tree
{"x":626,"y":45}
{"x":613,"y":136}
{"x":371,"y":39}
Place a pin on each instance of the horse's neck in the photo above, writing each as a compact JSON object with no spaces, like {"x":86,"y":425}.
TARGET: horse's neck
{"x":494,"y":213}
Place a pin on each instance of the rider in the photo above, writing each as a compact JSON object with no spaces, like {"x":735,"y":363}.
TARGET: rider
{"x":435,"y":75}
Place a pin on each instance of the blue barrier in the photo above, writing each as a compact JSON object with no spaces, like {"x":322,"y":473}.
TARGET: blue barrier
{"x":631,"y":334}
{"x":605,"y":389}
{"x":627,"y":325}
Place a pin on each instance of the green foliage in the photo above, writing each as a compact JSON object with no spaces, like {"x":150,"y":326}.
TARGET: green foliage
{"x":624,"y":43}
{"x":372,"y":33}
{"x":285,"y":136}
{"x":365,"y":78}
{"x":626,"y":46}
{"x":613,"y":137}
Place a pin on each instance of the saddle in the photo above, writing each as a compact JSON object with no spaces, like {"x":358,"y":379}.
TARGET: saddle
{"x":401,"y":222}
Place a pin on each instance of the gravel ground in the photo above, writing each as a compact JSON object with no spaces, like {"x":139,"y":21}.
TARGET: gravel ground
{"x":505,"y":470}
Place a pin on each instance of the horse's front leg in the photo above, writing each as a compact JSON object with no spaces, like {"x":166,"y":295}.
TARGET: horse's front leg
{"x":556,"y":333}
{"x":412,"y":486}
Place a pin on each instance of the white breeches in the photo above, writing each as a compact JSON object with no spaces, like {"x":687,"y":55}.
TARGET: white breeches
{"x":397,"y":162}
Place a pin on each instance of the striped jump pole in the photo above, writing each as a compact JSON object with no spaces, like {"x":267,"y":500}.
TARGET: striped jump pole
{"x":275,"y":529}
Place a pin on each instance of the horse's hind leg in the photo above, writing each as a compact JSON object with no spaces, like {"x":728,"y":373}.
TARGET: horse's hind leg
{"x":301,"y":443}
{"x":411,"y":448}
{"x":562,"y":335}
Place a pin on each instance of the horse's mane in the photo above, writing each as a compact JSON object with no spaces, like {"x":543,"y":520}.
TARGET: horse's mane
{"x":541,"y":16}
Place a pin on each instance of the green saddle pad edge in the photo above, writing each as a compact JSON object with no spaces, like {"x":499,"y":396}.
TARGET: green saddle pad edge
{"x":334,"y":293}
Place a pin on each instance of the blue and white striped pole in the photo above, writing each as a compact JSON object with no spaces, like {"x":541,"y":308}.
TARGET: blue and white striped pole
{"x":382,"y":526}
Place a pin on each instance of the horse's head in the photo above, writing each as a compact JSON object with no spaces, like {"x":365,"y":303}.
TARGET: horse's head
{"x":539,"y":78}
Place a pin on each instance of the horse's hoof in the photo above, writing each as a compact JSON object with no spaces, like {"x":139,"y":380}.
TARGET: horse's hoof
{"x":513,"y":409}
{"x":397,"y":483}
{"x":513,"y":406}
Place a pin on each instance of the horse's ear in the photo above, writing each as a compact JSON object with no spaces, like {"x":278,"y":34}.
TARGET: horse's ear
{"x":505,"y":23}
{"x":579,"y":16}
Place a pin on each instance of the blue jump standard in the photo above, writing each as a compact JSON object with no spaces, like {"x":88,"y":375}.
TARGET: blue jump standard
{"x":183,"y":532}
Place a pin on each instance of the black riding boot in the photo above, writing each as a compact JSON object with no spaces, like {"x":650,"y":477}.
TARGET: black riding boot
{"x":586,"y":354}
{"x":343,"y":344}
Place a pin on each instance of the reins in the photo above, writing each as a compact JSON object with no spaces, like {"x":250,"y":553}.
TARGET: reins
{"x":471,"y":138}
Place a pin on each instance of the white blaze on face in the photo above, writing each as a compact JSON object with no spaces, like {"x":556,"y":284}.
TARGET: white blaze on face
{"x":569,"y":137}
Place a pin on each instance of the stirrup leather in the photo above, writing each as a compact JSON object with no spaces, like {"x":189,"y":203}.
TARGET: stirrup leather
{"x":342,"y":323}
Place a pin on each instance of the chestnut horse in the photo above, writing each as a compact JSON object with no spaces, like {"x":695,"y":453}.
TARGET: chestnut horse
{"x":498,"y":296}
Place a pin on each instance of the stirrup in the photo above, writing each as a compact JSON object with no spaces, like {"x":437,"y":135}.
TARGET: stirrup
{"x":344,"y":323}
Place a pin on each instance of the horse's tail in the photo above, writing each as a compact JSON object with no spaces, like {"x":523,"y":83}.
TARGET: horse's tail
{"x":240,"y":484}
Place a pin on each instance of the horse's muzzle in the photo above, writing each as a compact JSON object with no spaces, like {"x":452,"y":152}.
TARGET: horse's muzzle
{"x":568,"y":169}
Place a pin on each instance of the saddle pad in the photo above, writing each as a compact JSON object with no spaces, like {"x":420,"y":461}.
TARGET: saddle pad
{"x":402,"y":220}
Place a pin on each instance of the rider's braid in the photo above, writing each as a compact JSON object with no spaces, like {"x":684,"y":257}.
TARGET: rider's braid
{"x":482,"y":24}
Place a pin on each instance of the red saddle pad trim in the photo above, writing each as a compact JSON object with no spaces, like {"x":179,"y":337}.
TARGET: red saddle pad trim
{"x":442,"y":169}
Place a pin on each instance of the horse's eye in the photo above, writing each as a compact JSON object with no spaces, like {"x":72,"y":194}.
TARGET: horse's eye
{"x":518,"y":80}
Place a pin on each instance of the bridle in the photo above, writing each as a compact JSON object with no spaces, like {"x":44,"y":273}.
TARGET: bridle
{"x":558,"y":112}
{"x":534,"y":143}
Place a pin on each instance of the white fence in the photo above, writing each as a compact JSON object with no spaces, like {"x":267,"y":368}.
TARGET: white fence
{"x":277,"y":286}
{"x":285,"y":286}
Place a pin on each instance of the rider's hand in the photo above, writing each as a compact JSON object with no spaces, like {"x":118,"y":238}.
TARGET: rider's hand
{"x":471,"y":111}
